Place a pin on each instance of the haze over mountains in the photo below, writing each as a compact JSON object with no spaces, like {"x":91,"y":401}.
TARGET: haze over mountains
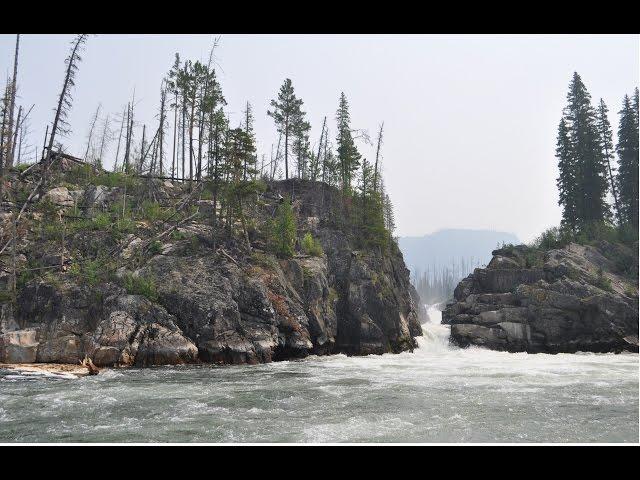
{"x":440,"y":249}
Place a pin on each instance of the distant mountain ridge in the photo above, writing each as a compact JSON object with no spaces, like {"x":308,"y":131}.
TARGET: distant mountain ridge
{"x":442,"y":248}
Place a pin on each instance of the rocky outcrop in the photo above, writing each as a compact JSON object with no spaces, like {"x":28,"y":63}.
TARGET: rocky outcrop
{"x":223,"y":304}
{"x":579,"y":298}
{"x":376,"y":310}
{"x":65,"y":323}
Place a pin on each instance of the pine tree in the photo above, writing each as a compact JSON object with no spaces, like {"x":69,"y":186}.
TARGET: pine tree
{"x":240,"y":158}
{"x":604,"y":129}
{"x":283,"y":230}
{"x":590,"y":167}
{"x":301,"y":143}
{"x":627,"y":149}
{"x":286,"y":113}
{"x":348,"y":155}
{"x":567,"y":180}
{"x":635,"y":106}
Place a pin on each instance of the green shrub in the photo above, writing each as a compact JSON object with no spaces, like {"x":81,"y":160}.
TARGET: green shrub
{"x":80,"y":174}
{"x":552,"y":238}
{"x":178,"y":235}
{"x":21,"y":167}
{"x":115,"y":179}
{"x":263,"y":260}
{"x":603,"y":282}
{"x":140,"y":285}
{"x":92,"y":272}
{"x":102,"y":221}
{"x":51,"y":231}
{"x":311,"y":246}
{"x":282,"y":235}
{"x":151,"y":211}
{"x":125,"y":225}
{"x":23,"y":278}
{"x":155,"y":247}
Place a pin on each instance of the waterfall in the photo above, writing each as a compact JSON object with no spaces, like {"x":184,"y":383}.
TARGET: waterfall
{"x":435,"y":336}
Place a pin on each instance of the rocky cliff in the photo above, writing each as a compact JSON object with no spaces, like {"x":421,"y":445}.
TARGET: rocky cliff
{"x":578,"y":298}
{"x":227,"y":302}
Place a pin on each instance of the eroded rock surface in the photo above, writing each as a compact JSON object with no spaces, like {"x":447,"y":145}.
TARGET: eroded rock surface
{"x":579,"y":298}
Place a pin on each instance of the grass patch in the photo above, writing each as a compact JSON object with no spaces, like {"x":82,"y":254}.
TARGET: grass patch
{"x":140,"y":285}
{"x":603,"y":282}
{"x":311,"y":246}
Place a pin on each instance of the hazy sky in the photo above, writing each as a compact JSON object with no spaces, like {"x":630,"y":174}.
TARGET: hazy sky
{"x":470,"y":120}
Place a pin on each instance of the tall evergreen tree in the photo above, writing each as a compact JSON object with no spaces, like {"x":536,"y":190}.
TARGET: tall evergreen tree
{"x":348,"y":155}
{"x":590,"y":165}
{"x":301,"y":146}
{"x":635,"y":106}
{"x":627,"y":149}
{"x":606,"y":139}
{"x":567,"y":180}
{"x":286,"y":114}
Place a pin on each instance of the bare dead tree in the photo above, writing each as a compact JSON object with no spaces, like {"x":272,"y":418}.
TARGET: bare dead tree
{"x":60,"y":125}
{"x":21,"y":131}
{"x":91,"y":129}
{"x":161,"y":129}
{"x":127,"y":151}
{"x":115,"y":163}
{"x":139,"y":167}
{"x":375,"y":171}
{"x":12,"y":105}
{"x":105,"y":138}
{"x":175,"y":130}
{"x":12,"y":145}
{"x":2,"y":135}
{"x":314,"y":169}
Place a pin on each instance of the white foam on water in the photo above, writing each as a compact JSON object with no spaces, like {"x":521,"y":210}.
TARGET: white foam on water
{"x":437,"y":393}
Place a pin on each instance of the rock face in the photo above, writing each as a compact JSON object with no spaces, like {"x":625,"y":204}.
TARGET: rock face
{"x":579,"y":298}
{"x":230,"y":305}
{"x":65,"y":323}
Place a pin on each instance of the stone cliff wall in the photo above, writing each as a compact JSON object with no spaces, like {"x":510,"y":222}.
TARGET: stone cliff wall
{"x":230,"y":306}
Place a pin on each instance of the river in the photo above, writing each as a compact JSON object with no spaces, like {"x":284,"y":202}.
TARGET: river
{"x":438,"y":393}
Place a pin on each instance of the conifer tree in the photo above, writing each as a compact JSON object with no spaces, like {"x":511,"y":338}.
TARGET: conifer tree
{"x":301,"y":143}
{"x":635,"y":106}
{"x":283,"y":230}
{"x":286,"y":114}
{"x":348,"y":155}
{"x":589,"y":168}
{"x":627,"y":149}
{"x":240,"y":155}
{"x":567,"y":180}
{"x":248,"y":129}
{"x":604,"y":129}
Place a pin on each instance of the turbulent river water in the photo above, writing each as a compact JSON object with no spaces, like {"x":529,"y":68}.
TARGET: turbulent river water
{"x":438,"y":393}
